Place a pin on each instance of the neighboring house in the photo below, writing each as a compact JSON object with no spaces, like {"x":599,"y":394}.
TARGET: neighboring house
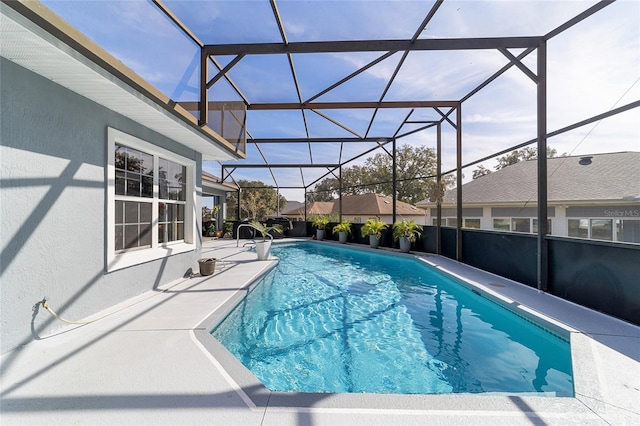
{"x":315,"y":208}
{"x":359,"y":208}
{"x":291,"y":205}
{"x":589,"y":196}
{"x":100,"y":179}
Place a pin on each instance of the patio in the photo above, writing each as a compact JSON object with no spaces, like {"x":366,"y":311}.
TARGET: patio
{"x":141,"y":362}
{"x":72,"y":101}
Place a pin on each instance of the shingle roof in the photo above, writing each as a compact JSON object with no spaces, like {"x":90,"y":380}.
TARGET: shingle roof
{"x":317,"y":207}
{"x":614,"y":176}
{"x":364,"y":204}
{"x":374,"y":204}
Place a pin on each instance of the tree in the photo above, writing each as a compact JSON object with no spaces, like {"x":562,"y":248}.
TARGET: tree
{"x":376,"y":176}
{"x":353,"y":183}
{"x":480,"y":171}
{"x":325,"y":190}
{"x":515,"y":156}
{"x":257,"y":201}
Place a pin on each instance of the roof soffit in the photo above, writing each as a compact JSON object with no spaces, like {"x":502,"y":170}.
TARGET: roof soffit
{"x":99,"y":77}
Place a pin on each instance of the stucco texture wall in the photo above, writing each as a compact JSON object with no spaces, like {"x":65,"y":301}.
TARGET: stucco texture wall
{"x":52,"y":208}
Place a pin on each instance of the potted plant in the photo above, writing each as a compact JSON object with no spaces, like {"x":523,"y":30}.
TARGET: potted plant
{"x":263,"y":248}
{"x":405,"y":231}
{"x":342,"y":229}
{"x":373,"y":228}
{"x":227,"y":229}
{"x":320,"y":222}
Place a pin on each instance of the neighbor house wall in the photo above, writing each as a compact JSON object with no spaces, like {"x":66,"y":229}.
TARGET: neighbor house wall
{"x":52,"y":208}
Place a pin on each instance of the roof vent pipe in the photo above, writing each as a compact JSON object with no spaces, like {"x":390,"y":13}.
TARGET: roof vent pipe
{"x":585,"y":161}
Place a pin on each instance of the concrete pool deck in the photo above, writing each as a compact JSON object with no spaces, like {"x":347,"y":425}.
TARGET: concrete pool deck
{"x":146,"y":361}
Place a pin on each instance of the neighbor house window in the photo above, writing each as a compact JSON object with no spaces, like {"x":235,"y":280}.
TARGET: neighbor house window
{"x":578,"y":228}
{"x":535,"y":226}
{"x":453,"y":222}
{"x":471,"y":223}
{"x":622,"y":230}
{"x":628,"y":230}
{"x":151,"y":190}
{"x":521,"y":225}
{"x":602,"y":229}
{"x":501,"y":224}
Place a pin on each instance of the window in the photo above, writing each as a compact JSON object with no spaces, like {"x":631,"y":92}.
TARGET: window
{"x":501,"y":224}
{"x":578,"y":228}
{"x":602,"y":229}
{"x":535,"y":226}
{"x":149,"y":194}
{"x":471,"y":223}
{"x":521,"y":225}
{"x":623,"y":230}
{"x":628,"y":230}
{"x":452,"y":222}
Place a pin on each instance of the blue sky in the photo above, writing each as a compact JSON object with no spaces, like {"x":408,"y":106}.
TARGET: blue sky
{"x":592,"y":68}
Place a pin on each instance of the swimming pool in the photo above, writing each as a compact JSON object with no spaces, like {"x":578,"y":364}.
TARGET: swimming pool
{"x":334,"y":319}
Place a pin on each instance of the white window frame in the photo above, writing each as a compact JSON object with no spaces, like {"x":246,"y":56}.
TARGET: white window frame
{"x":124,"y":259}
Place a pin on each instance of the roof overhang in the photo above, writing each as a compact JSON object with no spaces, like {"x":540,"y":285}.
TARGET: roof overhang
{"x":212,"y":182}
{"x":37,"y":39}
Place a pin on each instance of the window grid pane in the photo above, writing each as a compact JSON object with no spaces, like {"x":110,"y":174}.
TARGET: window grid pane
{"x":501,"y":224}
{"x":472,"y":223}
{"x":535,"y":226}
{"x":602,"y":229}
{"x":521,"y":225}
{"x":172,"y":180}
{"x":170,"y":222}
{"x":134,"y":172}
{"x":133,"y":225}
{"x":578,"y":228}
{"x":628,"y":230}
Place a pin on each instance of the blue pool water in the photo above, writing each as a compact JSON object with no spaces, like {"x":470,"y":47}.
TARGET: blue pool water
{"x":334,"y":319}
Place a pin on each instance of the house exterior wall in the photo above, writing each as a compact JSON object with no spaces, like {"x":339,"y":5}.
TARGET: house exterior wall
{"x":53,"y":202}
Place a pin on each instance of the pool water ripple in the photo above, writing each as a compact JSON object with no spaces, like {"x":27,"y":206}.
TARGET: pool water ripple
{"x":329,"y":319}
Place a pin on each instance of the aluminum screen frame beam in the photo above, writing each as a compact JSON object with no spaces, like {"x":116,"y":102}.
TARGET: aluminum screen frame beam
{"x":350,"y":46}
{"x":347,"y":105}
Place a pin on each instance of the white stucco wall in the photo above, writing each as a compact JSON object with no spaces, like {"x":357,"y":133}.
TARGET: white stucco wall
{"x":52,"y":208}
